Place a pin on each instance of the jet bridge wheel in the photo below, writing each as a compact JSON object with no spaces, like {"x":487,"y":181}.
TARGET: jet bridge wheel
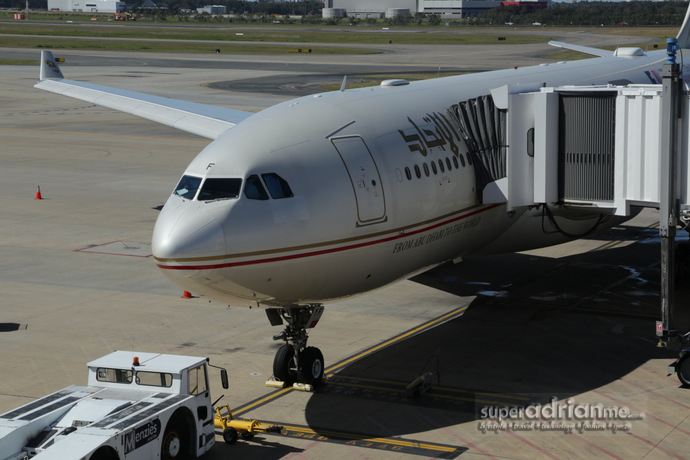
{"x":683,"y":370}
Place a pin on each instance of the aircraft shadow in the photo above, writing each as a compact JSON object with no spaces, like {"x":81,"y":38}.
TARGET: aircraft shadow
{"x":539,"y":328}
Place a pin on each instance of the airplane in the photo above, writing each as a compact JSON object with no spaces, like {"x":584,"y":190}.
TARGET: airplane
{"x":339,"y":193}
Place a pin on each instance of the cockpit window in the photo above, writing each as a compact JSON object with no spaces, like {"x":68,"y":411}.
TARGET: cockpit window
{"x":277,"y":186}
{"x":187,"y":187}
{"x":254,"y":190}
{"x":220,"y":189}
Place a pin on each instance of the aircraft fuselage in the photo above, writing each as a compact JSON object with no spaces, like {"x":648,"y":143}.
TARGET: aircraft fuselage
{"x":379,"y":187}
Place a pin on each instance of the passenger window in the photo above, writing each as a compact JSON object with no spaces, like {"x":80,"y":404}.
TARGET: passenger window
{"x":277,"y":186}
{"x":417,"y":172}
{"x":408,"y":173}
{"x":220,"y":189}
{"x":187,"y":187}
{"x":254,"y":190}
{"x":426,"y":169}
{"x":433,"y":168}
{"x":455,"y":162}
{"x":462,"y":160}
{"x":440,"y":165}
{"x":450,"y":168}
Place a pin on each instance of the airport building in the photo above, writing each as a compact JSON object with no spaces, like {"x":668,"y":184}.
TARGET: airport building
{"x":390,"y":8}
{"x":213,"y":9}
{"x":86,"y":6}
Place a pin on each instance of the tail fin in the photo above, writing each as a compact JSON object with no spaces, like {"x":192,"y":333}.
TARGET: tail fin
{"x":49,"y":69}
{"x":684,"y":33}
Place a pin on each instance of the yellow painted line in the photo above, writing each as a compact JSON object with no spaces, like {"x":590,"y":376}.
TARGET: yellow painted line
{"x":367,"y":352}
{"x":492,"y":395}
{"x":397,"y":442}
{"x":433,"y":395}
{"x":608,"y":245}
{"x":617,"y":242}
{"x":262,"y":400}
{"x":447,"y":389}
{"x":104,"y":135}
{"x":391,"y":383}
{"x":387,"y":343}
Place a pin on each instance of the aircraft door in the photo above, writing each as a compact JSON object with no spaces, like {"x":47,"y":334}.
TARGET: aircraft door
{"x":365,"y":178}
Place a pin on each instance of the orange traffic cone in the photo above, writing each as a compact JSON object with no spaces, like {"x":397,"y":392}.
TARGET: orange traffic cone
{"x":38,"y":193}
{"x":186,"y":295}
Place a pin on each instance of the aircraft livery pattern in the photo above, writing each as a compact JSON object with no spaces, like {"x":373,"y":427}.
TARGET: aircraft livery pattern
{"x":432,"y":217}
{"x":385,"y":182}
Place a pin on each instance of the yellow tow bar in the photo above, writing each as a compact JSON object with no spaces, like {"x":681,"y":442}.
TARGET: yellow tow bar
{"x":246,"y":428}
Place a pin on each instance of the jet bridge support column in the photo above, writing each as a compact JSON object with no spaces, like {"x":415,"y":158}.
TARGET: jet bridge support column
{"x":669,"y":208}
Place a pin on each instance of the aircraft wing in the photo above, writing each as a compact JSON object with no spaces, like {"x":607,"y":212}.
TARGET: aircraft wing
{"x":203,"y":120}
{"x":582,"y":49}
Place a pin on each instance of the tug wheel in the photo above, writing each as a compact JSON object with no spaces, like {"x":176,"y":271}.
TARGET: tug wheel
{"x":178,"y":437}
{"x":311,"y":366}
{"x":683,"y":370}
{"x":230,"y":435}
{"x":172,"y":444}
{"x":282,"y":363}
{"x":247,"y":435}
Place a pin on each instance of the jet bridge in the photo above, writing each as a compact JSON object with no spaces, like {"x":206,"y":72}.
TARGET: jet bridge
{"x":608,"y":148}
{"x":592,"y":146}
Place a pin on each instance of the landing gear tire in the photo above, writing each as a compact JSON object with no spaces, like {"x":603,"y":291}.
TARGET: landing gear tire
{"x":311,"y":366}
{"x":683,"y":370}
{"x":230,"y":435}
{"x":282,"y":364}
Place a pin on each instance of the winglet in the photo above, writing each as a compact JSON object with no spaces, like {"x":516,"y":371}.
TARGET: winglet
{"x":684,"y":32}
{"x":49,"y":69}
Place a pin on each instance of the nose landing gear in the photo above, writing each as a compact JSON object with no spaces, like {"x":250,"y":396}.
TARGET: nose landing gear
{"x":295,"y":363}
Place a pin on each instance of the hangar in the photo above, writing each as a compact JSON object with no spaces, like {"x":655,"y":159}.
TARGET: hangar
{"x":391,"y":8}
{"x":86,"y":6}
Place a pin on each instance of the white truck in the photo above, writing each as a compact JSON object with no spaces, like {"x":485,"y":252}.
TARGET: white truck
{"x":134,"y":406}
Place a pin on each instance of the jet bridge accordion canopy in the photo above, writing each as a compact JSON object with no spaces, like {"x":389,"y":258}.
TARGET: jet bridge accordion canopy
{"x":594,"y":147}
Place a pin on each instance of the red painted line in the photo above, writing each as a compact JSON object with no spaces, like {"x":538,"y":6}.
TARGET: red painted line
{"x":599,"y":448}
{"x":656,"y":446}
{"x":471,"y":445}
{"x":675,"y":427}
{"x":323,"y":251}
{"x":531,"y":444}
{"x":647,"y":390}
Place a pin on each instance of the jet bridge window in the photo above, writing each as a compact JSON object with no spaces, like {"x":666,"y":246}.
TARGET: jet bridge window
{"x":277,"y":186}
{"x":187,"y":187}
{"x":104,"y":374}
{"x":154,"y":379}
{"x":254,"y":189}
{"x":220,"y":189}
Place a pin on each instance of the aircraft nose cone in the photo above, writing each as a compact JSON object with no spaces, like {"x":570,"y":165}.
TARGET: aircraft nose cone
{"x":187,"y":232}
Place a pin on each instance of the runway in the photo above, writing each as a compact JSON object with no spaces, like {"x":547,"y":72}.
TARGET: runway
{"x":574,"y":322}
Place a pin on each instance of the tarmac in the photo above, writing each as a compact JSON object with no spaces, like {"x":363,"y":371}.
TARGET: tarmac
{"x":535,"y":333}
